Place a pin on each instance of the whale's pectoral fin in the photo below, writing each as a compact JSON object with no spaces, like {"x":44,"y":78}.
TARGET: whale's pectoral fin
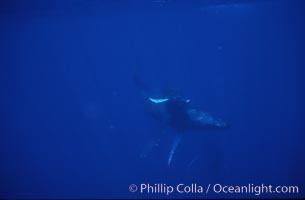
{"x":139,"y":83}
{"x":175,"y":144}
{"x":204,"y":119}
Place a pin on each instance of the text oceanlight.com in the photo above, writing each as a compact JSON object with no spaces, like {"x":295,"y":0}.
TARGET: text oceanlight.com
{"x":194,"y":188}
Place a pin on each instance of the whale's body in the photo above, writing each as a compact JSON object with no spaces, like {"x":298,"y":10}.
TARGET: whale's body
{"x":177,"y":113}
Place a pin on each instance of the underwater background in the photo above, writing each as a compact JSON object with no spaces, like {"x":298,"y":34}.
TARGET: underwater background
{"x":73,"y":124}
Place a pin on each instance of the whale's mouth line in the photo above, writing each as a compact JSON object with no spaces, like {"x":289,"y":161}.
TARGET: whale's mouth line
{"x":158,"y":100}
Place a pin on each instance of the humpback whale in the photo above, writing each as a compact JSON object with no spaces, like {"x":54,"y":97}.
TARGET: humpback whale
{"x":176,"y":112}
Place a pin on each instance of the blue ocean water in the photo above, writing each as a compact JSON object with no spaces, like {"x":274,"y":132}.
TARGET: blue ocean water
{"x":73,"y":124}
